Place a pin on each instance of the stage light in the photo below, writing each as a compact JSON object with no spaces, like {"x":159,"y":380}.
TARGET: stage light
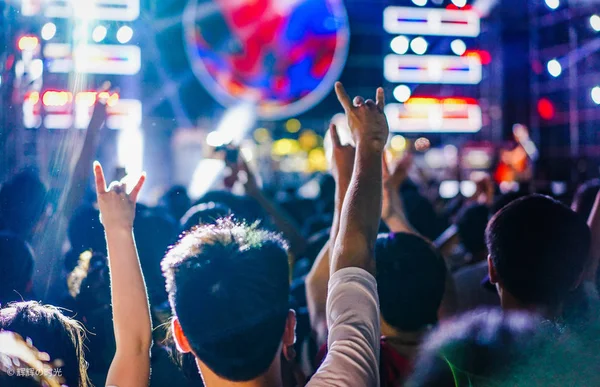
{"x":56,"y":98}
{"x":459,"y":3}
{"x":596,"y":95}
{"x":28,"y":43}
{"x":130,"y":152}
{"x":99,"y":33}
{"x":262,"y":135}
{"x":553,"y":4}
{"x":595,"y":22}
{"x":398,"y":143}
{"x":124,"y":34}
{"x":400,"y":44}
{"x":217,"y":139}
{"x":206,"y":173}
{"x":468,"y":188}
{"x":48,"y":31}
{"x":546,"y":109}
{"x":420,"y":3}
{"x":402,"y":93}
{"x":419,"y":46}
{"x":458,"y":47}
{"x":36,"y":69}
{"x":293,"y":126}
{"x":554,"y":68}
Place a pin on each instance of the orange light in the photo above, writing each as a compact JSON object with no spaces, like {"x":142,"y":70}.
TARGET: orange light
{"x":484,"y":56}
{"x":56,"y":98}
{"x":113,"y":99}
{"x":32,"y":97}
{"x":87,"y":98}
{"x":28,"y":43}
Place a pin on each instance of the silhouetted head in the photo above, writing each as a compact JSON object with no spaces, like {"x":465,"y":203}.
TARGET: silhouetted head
{"x":23,"y":200}
{"x":584,"y":199}
{"x":177,"y":201}
{"x":538,"y":249}
{"x":239,"y":276}
{"x":411,"y":278}
{"x":472,"y":222}
{"x":16,"y":268}
{"x":51,"y":332}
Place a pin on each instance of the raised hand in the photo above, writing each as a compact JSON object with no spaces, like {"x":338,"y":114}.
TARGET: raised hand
{"x":117,"y":207}
{"x":251,"y":183}
{"x":365,"y":118}
{"x":99,"y":113}
{"x":392,"y":209}
{"x":342,"y":162}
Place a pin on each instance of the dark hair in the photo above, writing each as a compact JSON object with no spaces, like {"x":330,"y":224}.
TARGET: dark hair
{"x":481,"y":348}
{"x":51,"y":332}
{"x":16,"y":267}
{"x":411,"y":278}
{"x":23,"y":200}
{"x":584,"y":199}
{"x":203,"y":213}
{"x":177,"y":201}
{"x":471,"y":222}
{"x":239,"y":274}
{"x":539,"y":248}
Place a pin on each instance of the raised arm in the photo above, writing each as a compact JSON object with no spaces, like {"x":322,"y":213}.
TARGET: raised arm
{"x":318,"y":279}
{"x":392,"y":212}
{"x":79,"y":178}
{"x":282,"y":220}
{"x":131,"y":313}
{"x":361,"y":212}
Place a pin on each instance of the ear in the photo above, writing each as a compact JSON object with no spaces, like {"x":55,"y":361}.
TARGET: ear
{"x":289,"y":335}
{"x":492,"y":271}
{"x":181,"y":341}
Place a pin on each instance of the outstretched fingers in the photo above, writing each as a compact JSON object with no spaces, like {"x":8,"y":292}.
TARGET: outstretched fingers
{"x":335,"y":136}
{"x":380,"y":100}
{"x":343,"y":96}
{"x":138,"y":187}
{"x":99,"y":178}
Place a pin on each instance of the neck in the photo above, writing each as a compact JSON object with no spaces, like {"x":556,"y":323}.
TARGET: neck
{"x":271,"y":378}
{"x":510,"y":303}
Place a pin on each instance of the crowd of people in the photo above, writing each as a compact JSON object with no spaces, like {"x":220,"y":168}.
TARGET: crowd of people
{"x":366,"y":285}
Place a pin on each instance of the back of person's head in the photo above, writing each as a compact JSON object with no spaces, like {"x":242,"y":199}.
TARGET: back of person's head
{"x":505,"y":199}
{"x":480,"y":348}
{"x":85,"y":231}
{"x":411,"y":277}
{"x":538,"y":248}
{"x":16,"y":267}
{"x":239,"y":275}
{"x":202,"y":214}
{"x":51,"y":332}
{"x":22,"y":365}
{"x":584,"y":199}
{"x":177,"y":201}
{"x":23,"y":200}
{"x":471,"y":223}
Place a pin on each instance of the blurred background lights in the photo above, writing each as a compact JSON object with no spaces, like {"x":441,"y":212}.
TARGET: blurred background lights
{"x":28,"y":43}
{"x":398,"y":143}
{"x":554,"y":68}
{"x":420,"y":3}
{"x":124,"y":34}
{"x":553,"y":4}
{"x":459,"y":3}
{"x":596,"y":95}
{"x":419,"y":46}
{"x":402,"y":93}
{"x":293,"y":125}
{"x":458,"y":47}
{"x":595,"y":22}
{"x":48,"y":31}
{"x":99,"y":34}
{"x":400,"y":45}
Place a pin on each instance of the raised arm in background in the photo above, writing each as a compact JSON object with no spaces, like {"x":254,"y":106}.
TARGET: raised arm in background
{"x":131,"y":313}
{"x":318,"y":279}
{"x":79,"y":178}
{"x":591,"y":273}
{"x":392,"y":211}
{"x":282,"y":220}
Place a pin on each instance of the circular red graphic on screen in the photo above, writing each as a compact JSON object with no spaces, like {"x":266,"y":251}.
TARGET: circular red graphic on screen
{"x":283,"y":56}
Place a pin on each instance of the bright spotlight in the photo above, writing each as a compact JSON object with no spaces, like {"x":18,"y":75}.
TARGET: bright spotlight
{"x":420,"y":3}
{"x":595,"y":22}
{"x":28,"y":43}
{"x":459,"y":3}
{"x":554,"y":68}
{"x":458,"y":47}
{"x":402,"y":93}
{"x":130,"y":150}
{"x":36,"y":69}
{"x":553,"y":4}
{"x":419,"y":46}
{"x":205,"y":175}
{"x":596,"y":95}
{"x":400,"y":44}
{"x":236,"y":123}
{"x":99,"y":34}
{"x":124,"y":34}
{"x":48,"y":31}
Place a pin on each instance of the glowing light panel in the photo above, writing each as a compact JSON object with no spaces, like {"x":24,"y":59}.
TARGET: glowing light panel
{"x":114,"y":10}
{"x":93,"y":59}
{"x":432,"y":69}
{"x":439,"y":22}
